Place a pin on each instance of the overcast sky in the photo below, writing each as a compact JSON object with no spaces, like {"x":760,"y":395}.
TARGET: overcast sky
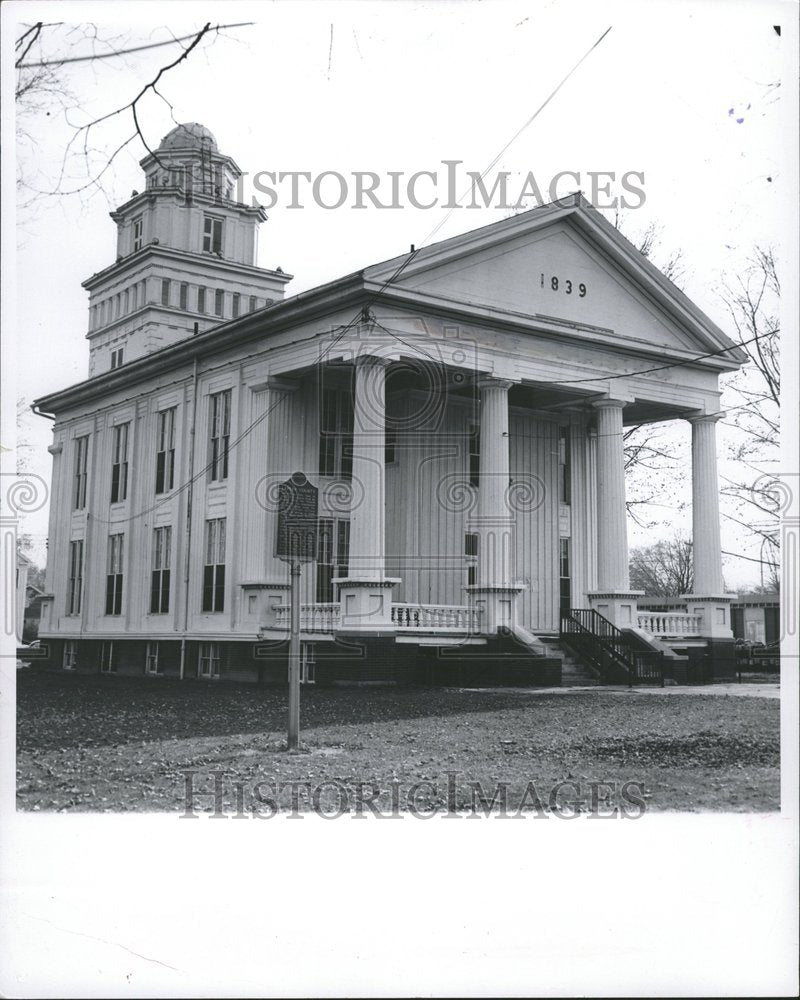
{"x":683,"y":93}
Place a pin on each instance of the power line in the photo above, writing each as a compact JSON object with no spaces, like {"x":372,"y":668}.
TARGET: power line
{"x":672,"y":364}
{"x":520,"y":130}
{"x":607,"y":378}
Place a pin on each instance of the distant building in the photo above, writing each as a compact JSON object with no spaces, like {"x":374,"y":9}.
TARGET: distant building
{"x":461,"y":409}
{"x":756,"y":617}
{"x":23,"y":566}
{"x":33,"y":611}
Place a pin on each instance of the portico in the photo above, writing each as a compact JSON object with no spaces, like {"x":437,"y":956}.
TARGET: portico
{"x":497,"y":497}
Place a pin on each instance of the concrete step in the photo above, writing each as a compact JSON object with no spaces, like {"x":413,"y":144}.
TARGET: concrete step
{"x":574,"y":673}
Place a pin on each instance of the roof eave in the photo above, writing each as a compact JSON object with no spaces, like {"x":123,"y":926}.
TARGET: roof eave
{"x":272,"y":319}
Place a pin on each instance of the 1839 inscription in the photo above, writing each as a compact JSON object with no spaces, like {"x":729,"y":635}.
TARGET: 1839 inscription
{"x":565,"y":285}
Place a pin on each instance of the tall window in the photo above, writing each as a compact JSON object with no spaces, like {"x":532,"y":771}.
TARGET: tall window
{"x":336,"y":433}
{"x":565,"y":589}
{"x":159,"y":578}
{"x":471,"y":557}
{"x":138,"y":233}
{"x":219,"y":434}
{"x":219,"y":302}
{"x":333,"y":548}
{"x":107,"y":658}
{"x":208,"y":660}
{"x":214,"y":570}
{"x":235,"y":299}
{"x":119,"y":468}
{"x":151,"y":659}
{"x":165,"y":291}
{"x":564,"y":478}
{"x":116,"y":358}
{"x":474,"y":454}
{"x":165,"y":451}
{"x":252,"y":304}
{"x":70,"y":661}
{"x":114,"y":575}
{"x":81,"y":453}
{"x":75,"y":577}
{"x":201,"y":300}
{"x":212,"y":234}
{"x":183,"y":295}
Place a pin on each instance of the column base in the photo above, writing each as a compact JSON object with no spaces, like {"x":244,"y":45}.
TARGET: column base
{"x":498,"y":606}
{"x":618,"y":606}
{"x":714,"y":611}
{"x":366,"y":605}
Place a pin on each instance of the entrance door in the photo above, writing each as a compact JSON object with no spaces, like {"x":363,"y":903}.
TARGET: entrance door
{"x":565,"y":585}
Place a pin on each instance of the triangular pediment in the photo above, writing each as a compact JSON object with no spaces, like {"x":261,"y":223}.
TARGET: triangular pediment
{"x":560,"y":263}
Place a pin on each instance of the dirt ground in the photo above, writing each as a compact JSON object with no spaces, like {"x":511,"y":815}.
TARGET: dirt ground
{"x":124,"y":744}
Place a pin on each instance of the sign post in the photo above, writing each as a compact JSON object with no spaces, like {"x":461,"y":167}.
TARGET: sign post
{"x":294,"y":656}
{"x":296,"y":543}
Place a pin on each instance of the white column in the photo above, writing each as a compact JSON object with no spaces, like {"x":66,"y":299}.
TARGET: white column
{"x":708,"y":598}
{"x":494,"y":514}
{"x":495,"y":594}
{"x":613,"y":598}
{"x":591,"y":504}
{"x":366,"y":593}
{"x":368,"y":514}
{"x":612,"y":528}
{"x":706,"y":546}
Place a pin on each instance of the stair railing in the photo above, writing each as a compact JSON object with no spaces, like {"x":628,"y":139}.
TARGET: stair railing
{"x":609,"y":650}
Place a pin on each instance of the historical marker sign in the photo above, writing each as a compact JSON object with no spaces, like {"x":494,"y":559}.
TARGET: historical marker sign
{"x":298,"y":514}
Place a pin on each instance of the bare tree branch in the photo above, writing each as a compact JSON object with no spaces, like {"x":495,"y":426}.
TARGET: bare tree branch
{"x":120,"y":52}
{"x":43,"y":80}
{"x":752,"y":300}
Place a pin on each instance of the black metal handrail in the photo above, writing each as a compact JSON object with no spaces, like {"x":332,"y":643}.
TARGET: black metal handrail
{"x":609,"y":650}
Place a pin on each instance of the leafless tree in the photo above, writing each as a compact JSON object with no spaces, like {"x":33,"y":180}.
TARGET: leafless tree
{"x":649,"y":461}
{"x":45,"y":56}
{"x":663,"y":569}
{"x":648,"y":242}
{"x":752,"y":299}
{"x":649,"y":457}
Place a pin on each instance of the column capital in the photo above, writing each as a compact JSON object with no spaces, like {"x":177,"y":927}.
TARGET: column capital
{"x":705,"y":418}
{"x":609,"y":404}
{"x":371,"y":360}
{"x":490,"y":382}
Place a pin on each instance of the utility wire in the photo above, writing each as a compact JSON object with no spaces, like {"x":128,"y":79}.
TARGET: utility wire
{"x":672,"y":364}
{"x":604,"y":378}
{"x":519,"y":132}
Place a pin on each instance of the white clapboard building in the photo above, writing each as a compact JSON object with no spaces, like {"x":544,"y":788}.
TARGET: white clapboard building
{"x":460,"y":408}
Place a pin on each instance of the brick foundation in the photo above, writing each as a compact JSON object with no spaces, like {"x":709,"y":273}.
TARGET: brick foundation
{"x":353,"y":659}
